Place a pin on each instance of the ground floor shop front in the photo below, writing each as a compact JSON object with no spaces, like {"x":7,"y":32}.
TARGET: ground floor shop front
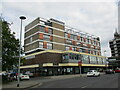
{"x":61,"y":70}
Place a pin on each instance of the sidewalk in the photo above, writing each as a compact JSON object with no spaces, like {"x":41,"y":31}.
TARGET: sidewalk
{"x":38,"y":81}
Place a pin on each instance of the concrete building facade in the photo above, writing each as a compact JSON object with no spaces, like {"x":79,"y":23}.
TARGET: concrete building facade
{"x":115,"y":50}
{"x":50,"y":43}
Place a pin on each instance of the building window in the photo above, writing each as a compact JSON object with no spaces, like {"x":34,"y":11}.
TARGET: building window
{"x":50,"y":31}
{"x":68,"y":42}
{"x":89,"y":51}
{"x":88,"y":41}
{"x":46,"y":37}
{"x":42,"y":29}
{"x":41,"y":44}
{"x":98,"y":43}
{"x":66,"y":57}
{"x":71,"y":36}
{"x":75,"y":37}
{"x":78,"y":43}
{"x":74,"y":49}
{"x":31,"y":39}
{"x":67,"y":48}
{"x":82,"y":39}
{"x":83,"y":50}
{"x":80,"y":50}
{"x":49,"y":46}
{"x":66,"y":35}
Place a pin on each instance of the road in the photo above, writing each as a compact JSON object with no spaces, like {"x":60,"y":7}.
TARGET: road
{"x":104,"y":81}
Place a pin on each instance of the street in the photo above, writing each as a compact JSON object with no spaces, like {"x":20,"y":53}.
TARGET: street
{"x":104,"y":81}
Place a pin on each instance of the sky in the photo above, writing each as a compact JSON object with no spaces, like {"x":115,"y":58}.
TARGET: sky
{"x":97,"y":17}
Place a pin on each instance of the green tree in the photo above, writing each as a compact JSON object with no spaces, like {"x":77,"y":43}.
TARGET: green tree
{"x":10,"y":47}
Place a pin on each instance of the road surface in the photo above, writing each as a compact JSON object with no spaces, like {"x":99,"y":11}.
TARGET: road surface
{"x":104,"y":81}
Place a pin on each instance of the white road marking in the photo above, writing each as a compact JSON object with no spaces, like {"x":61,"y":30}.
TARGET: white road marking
{"x":83,"y":86}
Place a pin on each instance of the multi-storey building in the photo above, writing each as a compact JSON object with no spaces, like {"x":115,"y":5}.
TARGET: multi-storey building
{"x":115,"y":44}
{"x":52,"y":45}
{"x":115,"y":49}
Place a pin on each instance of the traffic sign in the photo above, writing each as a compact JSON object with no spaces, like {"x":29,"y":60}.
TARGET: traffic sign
{"x":79,"y":63}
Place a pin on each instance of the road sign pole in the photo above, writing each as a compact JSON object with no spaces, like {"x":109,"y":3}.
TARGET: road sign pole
{"x":80,"y":70}
{"x":80,"y":64}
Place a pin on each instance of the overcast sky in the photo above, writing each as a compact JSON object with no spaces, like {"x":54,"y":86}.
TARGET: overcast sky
{"x":97,"y":17}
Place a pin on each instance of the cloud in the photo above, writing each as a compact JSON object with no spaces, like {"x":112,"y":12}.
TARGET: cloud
{"x":98,"y":18}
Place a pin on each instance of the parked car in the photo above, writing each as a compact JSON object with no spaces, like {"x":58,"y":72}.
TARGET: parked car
{"x":109,"y":71}
{"x":93,"y":73}
{"x":117,"y":70}
{"x":24,"y":77}
{"x":29,"y":73}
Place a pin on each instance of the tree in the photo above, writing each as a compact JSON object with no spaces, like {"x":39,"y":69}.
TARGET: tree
{"x":10,"y":47}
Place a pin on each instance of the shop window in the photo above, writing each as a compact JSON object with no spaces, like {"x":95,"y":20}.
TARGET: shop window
{"x":100,"y":60}
{"x":93,"y":60}
{"x":66,"y":57}
{"x":85,"y":59}
{"x":104,"y":60}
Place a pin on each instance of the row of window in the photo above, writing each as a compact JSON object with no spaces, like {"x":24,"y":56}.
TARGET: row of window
{"x":45,"y":37}
{"x":46,"y":45}
{"x":82,"y":50}
{"x":86,"y":59}
{"x":46,"y":29}
{"x":81,"y":39}
{"x":72,"y":42}
{"x":71,"y":36}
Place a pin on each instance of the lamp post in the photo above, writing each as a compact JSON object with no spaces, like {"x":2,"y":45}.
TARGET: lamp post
{"x":106,"y":62}
{"x":22,"y":18}
{"x":80,"y":64}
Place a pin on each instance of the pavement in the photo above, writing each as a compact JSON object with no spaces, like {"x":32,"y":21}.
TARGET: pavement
{"x":25,"y":84}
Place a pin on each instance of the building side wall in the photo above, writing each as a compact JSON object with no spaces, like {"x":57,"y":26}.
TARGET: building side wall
{"x":115,"y":47}
{"x":54,"y":58}
{"x":57,"y":39}
{"x":32,"y":31}
{"x":32,"y":46}
{"x":36,"y":21}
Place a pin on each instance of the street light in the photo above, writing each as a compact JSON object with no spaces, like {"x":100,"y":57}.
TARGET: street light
{"x":22,"y":18}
